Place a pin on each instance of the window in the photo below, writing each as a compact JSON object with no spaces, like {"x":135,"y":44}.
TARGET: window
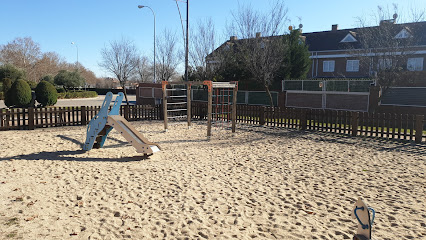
{"x":352,"y":66}
{"x":403,"y":34}
{"x":328,"y":66}
{"x":384,"y":64}
{"x":349,"y":38}
{"x":415,"y":64}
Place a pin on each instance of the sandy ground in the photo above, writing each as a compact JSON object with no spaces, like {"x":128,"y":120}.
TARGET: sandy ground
{"x":259,"y":183}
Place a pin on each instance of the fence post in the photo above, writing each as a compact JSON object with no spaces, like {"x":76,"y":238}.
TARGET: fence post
{"x":303,"y":119}
{"x":354,"y":123}
{"x":31,"y":119}
{"x":262,"y":115}
{"x":419,"y":128}
{"x":83,"y":115}
{"x":126,"y":112}
{"x":7,"y":119}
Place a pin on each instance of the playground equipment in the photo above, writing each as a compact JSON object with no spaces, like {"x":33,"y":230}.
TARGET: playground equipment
{"x":222,"y":104}
{"x":365,"y":222}
{"x":100,"y":126}
{"x":176,"y":103}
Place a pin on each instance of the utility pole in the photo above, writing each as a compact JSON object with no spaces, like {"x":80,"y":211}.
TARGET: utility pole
{"x":187,"y":40}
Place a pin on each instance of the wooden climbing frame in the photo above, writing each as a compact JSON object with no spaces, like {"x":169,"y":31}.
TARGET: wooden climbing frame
{"x":221,"y":108}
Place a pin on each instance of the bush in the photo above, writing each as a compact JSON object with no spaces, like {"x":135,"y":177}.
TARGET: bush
{"x":1,"y":96}
{"x":48,"y":78}
{"x":69,"y":79}
{"x":46,"y":94}
{"x":77,"y":94}
{"x":20,"y":93}
{"x":60,"y":90}
{"x":11,"y":72}
{"x":7,"y":84}
{"x":32,"y":84}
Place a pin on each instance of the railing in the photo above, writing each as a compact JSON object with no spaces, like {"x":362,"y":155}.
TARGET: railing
{"x":335,"y":85}
{"x":381,"y":125}
{"x":31,"y":118}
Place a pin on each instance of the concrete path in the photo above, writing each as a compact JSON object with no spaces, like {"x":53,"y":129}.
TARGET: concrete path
{"x":97,"y":101}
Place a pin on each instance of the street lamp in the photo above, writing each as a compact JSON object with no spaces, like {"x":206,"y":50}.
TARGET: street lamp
{"x":142,"y":6}
{"x":73,"y":43}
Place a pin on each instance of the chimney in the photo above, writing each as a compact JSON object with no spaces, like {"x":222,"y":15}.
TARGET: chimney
{"x":334,"y":27}
{"x":233,"y":38}
{"x":258,"y":34}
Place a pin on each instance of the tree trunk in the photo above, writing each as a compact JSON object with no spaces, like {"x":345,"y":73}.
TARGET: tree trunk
{"x":125,"y":96}
{"x":270,"y":95}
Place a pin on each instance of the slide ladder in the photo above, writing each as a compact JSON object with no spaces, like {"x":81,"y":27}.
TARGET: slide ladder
{"x":102,"y":124}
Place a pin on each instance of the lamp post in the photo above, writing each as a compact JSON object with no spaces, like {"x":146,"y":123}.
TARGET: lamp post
{"x":142,"y":6}
{"x":73,"y":43}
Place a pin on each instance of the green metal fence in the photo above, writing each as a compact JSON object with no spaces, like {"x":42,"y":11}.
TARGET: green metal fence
{"x":335,"y":85}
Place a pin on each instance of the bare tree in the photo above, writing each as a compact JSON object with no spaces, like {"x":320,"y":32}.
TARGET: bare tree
{"x":166,"y":55}
{"x":49,"y":64}
{"x":144,"y":70}
{"x":23,"y":53}
{"x":203,"y":42}
{"x":262,"y":56}
{"x":120,"y":59}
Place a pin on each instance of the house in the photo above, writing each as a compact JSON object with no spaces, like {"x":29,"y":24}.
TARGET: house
{"x":364,"y":52}
{"x":352,"y":55}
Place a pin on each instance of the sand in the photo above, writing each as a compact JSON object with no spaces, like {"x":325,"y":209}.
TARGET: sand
{"x":260,"y":183}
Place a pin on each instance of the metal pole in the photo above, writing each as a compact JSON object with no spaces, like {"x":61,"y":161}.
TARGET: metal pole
{"x":153,"y":13}
{"x":187,"y":40}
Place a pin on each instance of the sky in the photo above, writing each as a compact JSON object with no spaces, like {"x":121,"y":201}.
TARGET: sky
{"x":92,"y":24}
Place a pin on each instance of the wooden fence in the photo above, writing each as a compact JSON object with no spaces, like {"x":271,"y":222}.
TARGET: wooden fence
{"x":31,"y":118}
{"x":381,"y":125}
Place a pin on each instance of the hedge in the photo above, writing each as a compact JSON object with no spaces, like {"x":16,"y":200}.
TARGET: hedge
{"x":77,"y":94}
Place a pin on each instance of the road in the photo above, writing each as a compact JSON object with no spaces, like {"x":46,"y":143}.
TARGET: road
{"x":97,"y":101}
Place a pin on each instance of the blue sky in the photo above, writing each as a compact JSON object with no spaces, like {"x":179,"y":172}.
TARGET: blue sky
{"x":92,"y":24}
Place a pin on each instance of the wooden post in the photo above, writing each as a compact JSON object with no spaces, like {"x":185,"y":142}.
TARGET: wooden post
{"x":234,"y":106}
{"x":164,"y":87}
{"x":419,"y":128}
{"x":83,"y":115}
{"x":31,"y":119}
{"x":188,"y":104}
{"x":126,"y":112}
{"x":262,"y":115}
{"x":303,"y":119}
{"x":209,"y":107}
{"x":7,"y":119}
{"x":354,"y":123}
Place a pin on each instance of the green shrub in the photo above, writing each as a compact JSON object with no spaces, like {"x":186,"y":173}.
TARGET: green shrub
{"x":7,"y":84}
{"x":48,"y":78}
{"x":11,"y":72}
{"x":32,"y":84}
{"x":77,"y":94}
{"x":1,"y":96}
{"x":46,"y":94}
{"x":60,"y":90}
{"x":69,"y":79}
{"x":20,"y":93}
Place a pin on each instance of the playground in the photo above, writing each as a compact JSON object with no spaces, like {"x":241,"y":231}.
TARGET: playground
{"x":259,"y":183}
